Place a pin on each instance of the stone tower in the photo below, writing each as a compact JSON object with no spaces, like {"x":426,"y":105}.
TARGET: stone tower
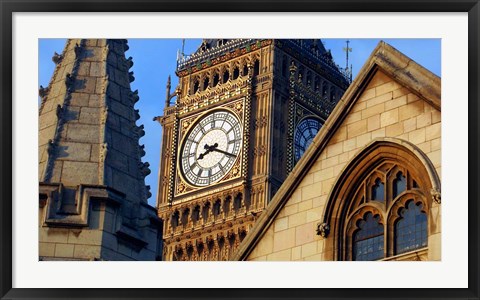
{"x":93,"y":198}
{"x":245,"y":112}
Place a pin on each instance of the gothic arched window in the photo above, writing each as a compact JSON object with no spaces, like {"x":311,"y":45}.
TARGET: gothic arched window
{"x":411,"y":228}
{"x":379,"y":208}
{"x":206,"y":81}
{"x":256,"y":68}
{"x":369,"y":236}
{"x":216,"y":79}
{"x":236,"y":73}
{"x":226,"y":76}
{"x":368,"y":239}
{"x":245,"y":70}
{"x":196,"y":85}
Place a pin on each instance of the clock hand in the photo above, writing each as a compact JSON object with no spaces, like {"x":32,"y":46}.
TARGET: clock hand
{"x":209,"y":149}
{"x":224,"y":152}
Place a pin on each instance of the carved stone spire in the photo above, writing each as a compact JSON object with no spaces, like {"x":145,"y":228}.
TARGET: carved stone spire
{"x":169,"y":86}
{"x":88,"y":143}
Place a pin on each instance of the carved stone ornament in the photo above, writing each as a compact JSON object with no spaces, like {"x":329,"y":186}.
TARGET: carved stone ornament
{"x":181,"y":187}
{"x":323,"y":229}
{"x":436,"y":196}
{"x":57,"y":58}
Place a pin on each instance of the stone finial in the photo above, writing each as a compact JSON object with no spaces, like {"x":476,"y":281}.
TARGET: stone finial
{"x":149,"y":194}
{"x":42,"y":92}
{"x":293,"y":68}
{"x":59,"y":111}
{"x":78,"y":50}
{"x":142,"y":150}
{"x":50,"y":147}
{"x":69,"y":81}
{"x":323,"y":229}
{"x":134,"y":96}
{"x":168,"y":97}
{"x":139,"y":130}
{"x":129,"y":62}
{"x":57,"y":58}
{"x":144,"y":168}
{"x":436,"y":195}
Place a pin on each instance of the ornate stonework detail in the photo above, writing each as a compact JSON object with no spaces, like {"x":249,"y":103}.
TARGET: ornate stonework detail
{"x":260,"y":150}
{"x":323,"y":229}
{"x":57,"y":58}
{"x":59,"y":111}
{"x":69,"y":82}
{"x":212,"y":220}
{"x":50,"y":147}
{"x":181,"y":188}
{"x":43,"y":91}
{"x":138,"y":131}
{"x":260,"y":122}
{"x":436,"y":196}
{"x":144,"y":169}
{"x":134,"y":97}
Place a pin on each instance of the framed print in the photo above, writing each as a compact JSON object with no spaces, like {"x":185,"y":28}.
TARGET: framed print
{"x":213,"y":156}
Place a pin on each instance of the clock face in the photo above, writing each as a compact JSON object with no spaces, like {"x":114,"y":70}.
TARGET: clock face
{"x":305,"y":132}
{"x":211,"y":148}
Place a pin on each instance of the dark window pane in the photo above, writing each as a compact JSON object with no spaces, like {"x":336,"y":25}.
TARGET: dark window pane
{"x":368,"y":240}
{"x":411,"y":229}
{"x":399,"y":184}
{"x":378,"y":190}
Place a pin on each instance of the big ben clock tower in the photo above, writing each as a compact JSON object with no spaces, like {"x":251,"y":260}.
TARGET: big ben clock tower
{"x":244,"y":113}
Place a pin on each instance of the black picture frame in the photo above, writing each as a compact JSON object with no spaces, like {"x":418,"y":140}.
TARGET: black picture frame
{"x":8,"y":7}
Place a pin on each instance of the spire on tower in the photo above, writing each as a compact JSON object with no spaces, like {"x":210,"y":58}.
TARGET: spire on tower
{"x":168,"y":97}
{"x":348,"y":71}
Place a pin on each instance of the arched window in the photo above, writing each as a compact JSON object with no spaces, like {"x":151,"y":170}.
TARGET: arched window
{"x":196,"y":214}
{"x":411,"y":228}
{"x":399,"y":184}
{"x":205,"y":212}
{"x":216,"y":209}
{"x":237,"y":202}
{"x":206,"y":81}
{"x":196,"y":85}
{"x":185,"y":216}
{"x":175,"y":220}
{"x":226,"y":76}
{"x":368,"y":238}
{"x":378,"y":190}
{"x":236,"y":73}
{"x":256,"y":68}
{"x":379,"y":207}
{"x":216,"y":79}
{"x":245,"y":70}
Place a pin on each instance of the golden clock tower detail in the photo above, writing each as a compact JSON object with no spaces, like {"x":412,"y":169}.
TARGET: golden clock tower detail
{"x":245,"y":111}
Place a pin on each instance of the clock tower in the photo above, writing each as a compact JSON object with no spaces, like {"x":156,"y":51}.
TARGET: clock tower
{"x":245,"y":111}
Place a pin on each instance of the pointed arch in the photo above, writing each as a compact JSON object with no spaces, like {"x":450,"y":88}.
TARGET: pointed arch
{"x":393,"y":158}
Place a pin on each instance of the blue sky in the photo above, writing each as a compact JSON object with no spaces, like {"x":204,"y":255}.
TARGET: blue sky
{"x":155,"y":59}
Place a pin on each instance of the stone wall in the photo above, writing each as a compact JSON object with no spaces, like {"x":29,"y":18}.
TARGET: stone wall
{"x":384,"y":109}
